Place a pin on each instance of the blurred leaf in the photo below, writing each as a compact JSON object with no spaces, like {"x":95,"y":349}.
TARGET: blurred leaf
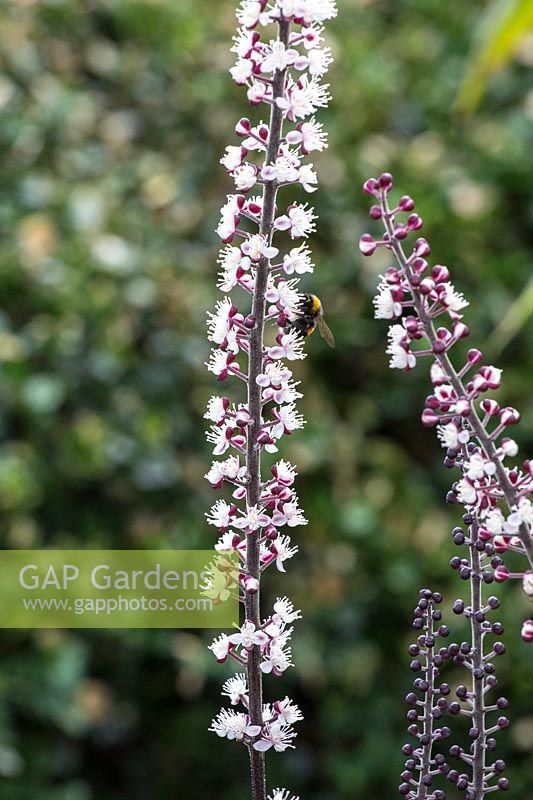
{"x":500,"y":30}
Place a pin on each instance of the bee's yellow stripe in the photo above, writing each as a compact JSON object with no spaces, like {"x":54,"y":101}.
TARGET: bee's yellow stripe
{"x":316,"y":305}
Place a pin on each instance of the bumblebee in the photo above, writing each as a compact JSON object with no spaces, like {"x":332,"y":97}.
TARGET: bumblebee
{"x":310,"y":316}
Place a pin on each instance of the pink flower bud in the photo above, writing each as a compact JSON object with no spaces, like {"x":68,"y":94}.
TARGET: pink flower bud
{"x":501,"y":543}
{"x":242,"y":417}
{"x":406,"y":203}
{"x":422,"y":248}
{"x":440,"y":273}
{"x":426,"y":286}
{"x":367,"y":244}
{"x":371,"y":186}
{"x":429,"y":418}
{"x":243,"y":127}
{"x":509,"y":416}
{"x":271,"y":532}
{"x":420,"y":265}
{"x":501,"y":573}
{"x":527,"y":630}
{"x":414,"y":222}
{"x":474,"y":356}
{"x":400,"y":232}
{"x":392,"y":275}
{"x":490,"y":407}
{"x":386,"y":181}
{"x":375,"y":212}
{"x":460,"y":330}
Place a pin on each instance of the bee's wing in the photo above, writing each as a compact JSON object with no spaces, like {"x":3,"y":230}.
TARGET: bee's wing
{"x":325,"y":331}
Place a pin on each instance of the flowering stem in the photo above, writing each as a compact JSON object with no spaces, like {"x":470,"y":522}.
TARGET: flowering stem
{"x":478,"y":683}
{"x":455,"y":379}
{"x":253,"y":451}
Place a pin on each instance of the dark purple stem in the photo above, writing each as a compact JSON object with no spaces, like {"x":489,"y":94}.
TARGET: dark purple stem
{"x":253,"y":451}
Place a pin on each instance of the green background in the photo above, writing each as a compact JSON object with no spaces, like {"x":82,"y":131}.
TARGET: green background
{"x":114,"y":116}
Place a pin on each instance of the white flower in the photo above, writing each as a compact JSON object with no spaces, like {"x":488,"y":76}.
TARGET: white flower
{"x":243,"y":43}
{"x":233,"y":157}
{"x":232,"y":263}
{"x":250,"y":13}
{"x":298,"y":260}
{"x":216,"y":409}
{"x":494,"y":521}
{"x":303,"y":98}
{"x":221,"y":514}
{"x":451,"y":436}
{"x":308,"y":178}
{"x":288,"y":712}
{"x":289,"y":514}
{"x":285,"y":295}
{"x":275,"y":735}
{"x":277,"y":57}
{"x":319,"y":60}
{"x":450,"y":298}
{"x":281,"y":794}
{"x":284,"y":472}
{"x":220,"y":647}
{"x":285,"y":169}
{"x":298,"y":221}
{"x":277,"y":660}
{"x":221,"y":437}
{"x":252,"y":520}
{"x":466,"y":492}
{"x":256,"y":246}
{"x":386,"y":307}
{"x":233,"y":725}
{"x":288,"y":420}
{"x":229,"y":218}
{"x":275,"y":374}
{"x":290,"y":347}
{"x":249,"y":636}
{"x":309,"y":10}
{"x":236,"y":688}
{"x":523,"y":513}
{"x":309,"y":135}
{"x":219,"y":323}
{"x":242,"y":71}
{"x":437,"y":374}
{"x":219,"y":362}
{"x":229,"y":469}
{"x":477,"y":467}
{"x":401,"y":358}
{"x":279,"y":551}
{"x":284,"y":611}
{"x":245,"y":177}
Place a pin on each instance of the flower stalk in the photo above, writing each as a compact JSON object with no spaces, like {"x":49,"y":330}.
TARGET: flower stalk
{"x":283,"y":74}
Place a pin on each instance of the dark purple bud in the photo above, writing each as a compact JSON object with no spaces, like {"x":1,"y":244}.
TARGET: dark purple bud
{"x":385,"y":181}
{"x":499,"y":765}
{"x":414,"y":649}
{"x":502,"y":702}
{"x":462,"y":783}
{"x":415,"y":665}
{"x":493,"y":602}
{"x":453,"y":776}
{"x":499,"y":648}
{"x":404,"y":789}
{"x":443,"y":631}
{"x":455,"y":751}
{"x":461,"y":692}
{"x":491,"y":744}
{"x":407,"y":749}
{"x":412,"y":730}
{"x":455,"y":562}
{"x":454,"y":708}
{"x":503,"y":722}
{"x":412,"y":715}
{"x":490,"y":668}
{"x":478,"y":674}
{"x":458,"y":607}
{"x":497,"y":628}
{"x":444,"y":689}
{"x":503,"y":784}
{"x":474,"y":733}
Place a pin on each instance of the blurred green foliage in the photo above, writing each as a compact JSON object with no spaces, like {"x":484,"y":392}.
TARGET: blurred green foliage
{"x":114,"y":116}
